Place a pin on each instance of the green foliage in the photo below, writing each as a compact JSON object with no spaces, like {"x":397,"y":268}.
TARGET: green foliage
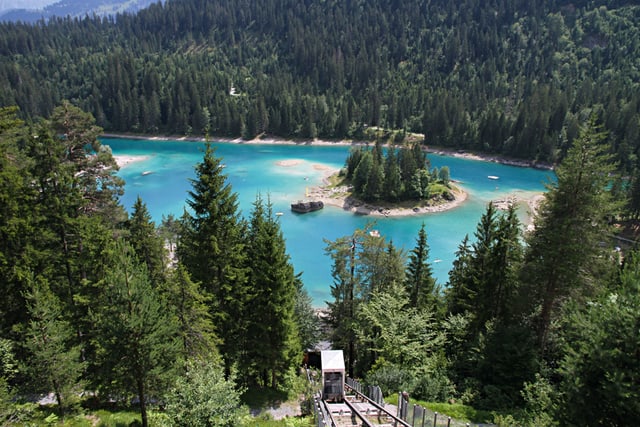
{"x":419,"y":281}
{"x":397,"y":177}
{"x":212,"y":250}
{"x":54,"y":363}
{"x":135,"y":335}
{"x":599,"y":369}
{"x":272,"y":346}
{"x":565,"y":257}
{"x":146,"y":242}
{"x":203,"y":396}
{"x":8,"y":369}
{"x":507,"y":78}
{"x":402,"y":336}
{"x":188,"y":304}
{"x":457,"y":411}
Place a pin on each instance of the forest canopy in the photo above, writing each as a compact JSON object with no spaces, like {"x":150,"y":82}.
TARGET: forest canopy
{"x":509,"y":77}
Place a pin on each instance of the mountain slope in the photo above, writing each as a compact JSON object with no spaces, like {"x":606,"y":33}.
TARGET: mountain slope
{"x":74,"y":8}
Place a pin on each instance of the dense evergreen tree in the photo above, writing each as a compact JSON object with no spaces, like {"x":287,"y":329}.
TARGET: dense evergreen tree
{"x":419,"y":282}
{"x":146,"y":242}
{"x":271,"y":339}
{"x":16,"y":221}
{"x":394,"y":177}
{"x":212,"y":249}
{"x":599,"y":369}
{"x":565,"y":257}
{"x":189,"y":304}
{"x":505,"y":78}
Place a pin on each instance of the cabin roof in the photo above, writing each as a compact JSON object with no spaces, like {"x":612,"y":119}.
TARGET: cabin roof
{"x":332,"y":360}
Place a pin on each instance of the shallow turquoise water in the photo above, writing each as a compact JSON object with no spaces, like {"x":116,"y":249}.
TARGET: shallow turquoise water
{"x":253,"y":169}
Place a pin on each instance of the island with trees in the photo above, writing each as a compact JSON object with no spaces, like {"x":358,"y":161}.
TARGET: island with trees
{"x":389,"y":181}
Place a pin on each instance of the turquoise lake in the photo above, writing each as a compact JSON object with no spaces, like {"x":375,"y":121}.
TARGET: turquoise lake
{"x":162,"y":181}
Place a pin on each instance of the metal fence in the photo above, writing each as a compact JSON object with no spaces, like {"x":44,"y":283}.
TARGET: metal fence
{"x":372,"y":392}
{"x":419,"y":416}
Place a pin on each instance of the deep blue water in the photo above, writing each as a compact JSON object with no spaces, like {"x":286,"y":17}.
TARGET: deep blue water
{"x":253,"y":169}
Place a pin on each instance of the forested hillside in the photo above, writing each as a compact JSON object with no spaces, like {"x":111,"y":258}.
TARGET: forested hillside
{"x":509,"y":77}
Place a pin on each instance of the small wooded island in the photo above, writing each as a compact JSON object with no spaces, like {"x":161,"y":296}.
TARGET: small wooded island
{"x":391,"y":182}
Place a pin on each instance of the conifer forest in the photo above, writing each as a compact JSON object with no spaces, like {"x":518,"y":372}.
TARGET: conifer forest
{"x":181,"y":320}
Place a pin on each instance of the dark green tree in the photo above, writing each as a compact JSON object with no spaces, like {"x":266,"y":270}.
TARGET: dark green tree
{"x":392,"y":180}
{"x":347,"y":294}
{"x":146,"y":242}
{"x":271,"y":342}
{"x":362,"y":172}
{"x":599,"y":370}
{"x":17,"y":221}
{"x":419,"y":280}
{"x":564,"y":257}
{"x":212,"y":249}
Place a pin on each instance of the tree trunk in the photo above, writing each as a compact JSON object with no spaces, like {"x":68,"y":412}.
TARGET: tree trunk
{"x":143,"y":403}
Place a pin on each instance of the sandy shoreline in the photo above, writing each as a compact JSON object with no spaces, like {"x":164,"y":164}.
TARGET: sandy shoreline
{"x":339,"y":197}
{"x":269,"y":140}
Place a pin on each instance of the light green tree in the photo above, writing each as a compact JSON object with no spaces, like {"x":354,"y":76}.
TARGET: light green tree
{"x":136,"y":335}
{"x":190,"y":306}
{"x":54,"y":363}
{"x":204,"y":396}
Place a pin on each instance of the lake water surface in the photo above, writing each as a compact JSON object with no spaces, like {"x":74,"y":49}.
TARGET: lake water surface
{"x":162,"y":181}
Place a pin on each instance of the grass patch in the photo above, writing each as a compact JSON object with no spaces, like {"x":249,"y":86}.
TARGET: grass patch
{"x":289,"y":422}
{"x":46,"y":416}
{"x":118,"y":418}
{"x":457,"y":411}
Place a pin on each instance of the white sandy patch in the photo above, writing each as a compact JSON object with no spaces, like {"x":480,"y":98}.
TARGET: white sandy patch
{"x":124,"y":161}
{"x":289,"y":162}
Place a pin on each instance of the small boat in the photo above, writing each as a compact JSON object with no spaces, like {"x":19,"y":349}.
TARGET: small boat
{"x":493,"y":177}
{"x":279,"y":213}
{"x":435,"y":261}
{"x":146,"y":173}
{"x":304,"y":206}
